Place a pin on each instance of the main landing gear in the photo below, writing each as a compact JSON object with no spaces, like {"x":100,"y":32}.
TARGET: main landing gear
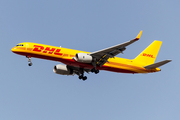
{"x":82,"y":77}
{"x":95,"y":71}
{"x":29,"y":60}
{"x":81,"y":74}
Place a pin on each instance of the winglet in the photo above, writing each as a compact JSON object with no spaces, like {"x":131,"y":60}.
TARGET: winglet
{"x":139,"y":35}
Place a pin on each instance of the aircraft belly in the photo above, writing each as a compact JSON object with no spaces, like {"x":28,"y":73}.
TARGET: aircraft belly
{"x":113,"y":67}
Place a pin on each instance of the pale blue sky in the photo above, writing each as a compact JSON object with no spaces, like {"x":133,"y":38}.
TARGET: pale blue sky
{"x":36,"y":93}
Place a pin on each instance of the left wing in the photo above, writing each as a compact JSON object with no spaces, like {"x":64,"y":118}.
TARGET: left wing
{"x":103,"y":55}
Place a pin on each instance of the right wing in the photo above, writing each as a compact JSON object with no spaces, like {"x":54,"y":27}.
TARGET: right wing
{"x":102,"y":56}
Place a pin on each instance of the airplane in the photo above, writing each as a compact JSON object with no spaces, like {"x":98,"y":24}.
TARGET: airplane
{"x":78,"y":62}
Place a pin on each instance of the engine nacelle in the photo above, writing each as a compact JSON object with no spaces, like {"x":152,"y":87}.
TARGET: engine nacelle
{"x":83,"y":58}
{"x":62,"y":69}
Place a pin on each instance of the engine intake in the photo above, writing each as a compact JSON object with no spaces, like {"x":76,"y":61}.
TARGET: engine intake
{"x":63,"y":70}
{"x":83,"y":58}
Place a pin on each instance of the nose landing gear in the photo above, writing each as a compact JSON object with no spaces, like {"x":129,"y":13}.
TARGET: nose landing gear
{"x":29,"y":60}
{"x":30,"y":64}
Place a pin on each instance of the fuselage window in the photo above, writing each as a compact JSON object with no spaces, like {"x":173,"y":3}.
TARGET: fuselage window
{"x":20,"y":45}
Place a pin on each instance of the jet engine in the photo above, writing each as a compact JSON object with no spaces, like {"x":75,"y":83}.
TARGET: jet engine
{"x":83,"y":58}
{"x":63,"y":70}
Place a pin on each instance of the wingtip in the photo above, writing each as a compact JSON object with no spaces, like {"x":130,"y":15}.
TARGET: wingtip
{"x":139,"y":35}
{"x":169,"y":60}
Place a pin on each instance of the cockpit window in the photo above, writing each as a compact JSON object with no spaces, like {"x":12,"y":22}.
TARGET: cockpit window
{"x":20,"y":45}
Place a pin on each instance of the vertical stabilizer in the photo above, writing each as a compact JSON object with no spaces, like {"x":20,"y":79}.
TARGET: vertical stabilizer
{"x":148,"y":56}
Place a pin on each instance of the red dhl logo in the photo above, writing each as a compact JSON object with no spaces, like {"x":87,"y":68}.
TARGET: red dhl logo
{"x":48,"y":50}
{"x":148,"y":55}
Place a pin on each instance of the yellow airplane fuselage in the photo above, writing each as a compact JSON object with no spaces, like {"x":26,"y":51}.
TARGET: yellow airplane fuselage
{"x":66,"y":55}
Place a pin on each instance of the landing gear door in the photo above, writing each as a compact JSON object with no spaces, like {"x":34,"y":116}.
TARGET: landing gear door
{"x":27,"y":46}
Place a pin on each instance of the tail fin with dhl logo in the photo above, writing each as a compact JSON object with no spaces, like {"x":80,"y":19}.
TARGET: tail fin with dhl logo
{"x":148,"y":56}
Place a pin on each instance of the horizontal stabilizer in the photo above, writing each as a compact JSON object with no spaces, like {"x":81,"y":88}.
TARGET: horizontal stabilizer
{"x":158,"y":64}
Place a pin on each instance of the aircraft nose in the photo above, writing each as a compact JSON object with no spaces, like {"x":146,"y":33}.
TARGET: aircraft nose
{"x":13,"y":49}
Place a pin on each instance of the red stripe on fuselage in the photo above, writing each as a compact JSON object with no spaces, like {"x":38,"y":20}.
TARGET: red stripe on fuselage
{"x":72,"y":62}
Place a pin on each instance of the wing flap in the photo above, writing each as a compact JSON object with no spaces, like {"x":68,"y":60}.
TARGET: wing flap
{"x":158,"y":64}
